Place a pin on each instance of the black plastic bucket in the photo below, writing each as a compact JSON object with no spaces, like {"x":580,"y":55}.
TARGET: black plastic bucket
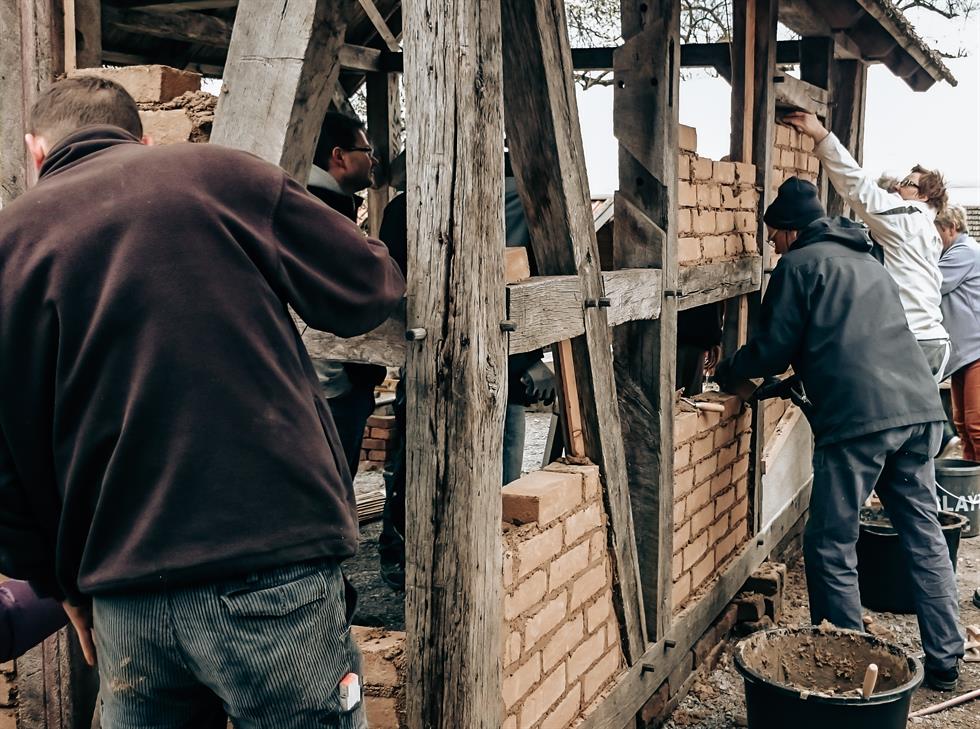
{"x":776,"y":701}
{"x":883,"y":571}
{"x":958,"y":490}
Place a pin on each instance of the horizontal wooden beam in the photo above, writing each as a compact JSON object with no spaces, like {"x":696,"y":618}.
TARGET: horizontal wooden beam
{"x":792,"y":93}
{"x":183,"y":26}
{"x":543,"y":310}
{"x":188,"y":5}
{"x":643,"y":678}
{"x":712,"y":282}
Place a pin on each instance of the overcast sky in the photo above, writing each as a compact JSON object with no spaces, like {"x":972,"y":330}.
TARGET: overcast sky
{"x":938,"y":128}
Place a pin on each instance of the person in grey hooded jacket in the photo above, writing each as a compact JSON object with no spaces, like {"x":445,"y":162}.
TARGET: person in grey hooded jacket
{"x":833,"y":313}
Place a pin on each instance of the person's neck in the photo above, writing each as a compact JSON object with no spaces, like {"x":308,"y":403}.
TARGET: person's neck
{"x":320,"y":177}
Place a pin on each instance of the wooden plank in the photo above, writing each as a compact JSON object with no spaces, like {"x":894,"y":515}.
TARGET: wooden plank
{"x":623,"y":703}
{"x":361,"y":58}
{"x":383,"y":111}
{"x":816,"y":62}
{"x":186,"y":26}
{"x":188,"y":5}
{"x":570,"y":403}
{"x":456,"y":380}
{"x":13,"y":153}
{"x":278,"y":79}
{"x":544,"y":310}
{"x":69,"y":21}
{"x":517,"y":265}
{"x":88,"y":32}
{"x":713,"y":282}
{"x":792,"y":94}
{"x":850,"y":81}
{"x":645,"y":123}
{"x":546,"y":151}
{"x":379,"y":23}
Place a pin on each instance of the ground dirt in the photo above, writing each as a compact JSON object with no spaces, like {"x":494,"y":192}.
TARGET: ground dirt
{"x":717,"y":701}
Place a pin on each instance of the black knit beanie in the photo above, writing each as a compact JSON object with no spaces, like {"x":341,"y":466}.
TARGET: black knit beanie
{"x":797,"y":204}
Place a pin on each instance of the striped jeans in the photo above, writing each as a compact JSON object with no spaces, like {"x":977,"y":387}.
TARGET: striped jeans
{"x":267,"y":650}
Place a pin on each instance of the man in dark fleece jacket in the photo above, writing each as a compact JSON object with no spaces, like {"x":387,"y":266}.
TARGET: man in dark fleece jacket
{"x":833,"y":313}
{"x":166,"y":457}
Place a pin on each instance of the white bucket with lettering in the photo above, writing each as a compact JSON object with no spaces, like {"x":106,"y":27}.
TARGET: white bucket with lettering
{"x":958,"y":490}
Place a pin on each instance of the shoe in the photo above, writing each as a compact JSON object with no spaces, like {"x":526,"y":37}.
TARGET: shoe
{"x":976,"y":597}
{"x":942,"y":680}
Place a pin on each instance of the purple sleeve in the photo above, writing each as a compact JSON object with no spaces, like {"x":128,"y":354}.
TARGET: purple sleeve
{"x":25,"y":618}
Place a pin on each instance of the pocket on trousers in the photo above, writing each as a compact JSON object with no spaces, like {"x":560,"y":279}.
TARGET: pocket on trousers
{"x":278,"y":600}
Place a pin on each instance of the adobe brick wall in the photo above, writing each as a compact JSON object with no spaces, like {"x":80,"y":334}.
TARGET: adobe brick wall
{"x":8,"y":695}
{"x":561,"y":645}
{"x":718,"y":206}
{"x":793,"y":155}
{"x":561,"y":638}
{"x":711,"y":493}
{"x":172,"y":107}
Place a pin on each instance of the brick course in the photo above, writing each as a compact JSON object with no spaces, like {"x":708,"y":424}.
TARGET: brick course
{"x":711,"y":496}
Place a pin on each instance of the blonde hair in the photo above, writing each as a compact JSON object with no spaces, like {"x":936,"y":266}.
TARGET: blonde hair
{"x":952,"y":216}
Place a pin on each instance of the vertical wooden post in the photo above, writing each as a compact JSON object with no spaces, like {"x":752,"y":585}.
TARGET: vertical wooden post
{"x":850,"y":82}
{"x":383,"y":106}
{"x":457,"y":374}
{"x":279,"y":78}
{"x":549,"y":165}
{"x":645,"y":121}
{"x":13,"y":155}
{"x":753,"y":132}
{"x":88,"y":32}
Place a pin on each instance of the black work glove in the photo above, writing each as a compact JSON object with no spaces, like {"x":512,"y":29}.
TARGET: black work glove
{"x":540,"y":384}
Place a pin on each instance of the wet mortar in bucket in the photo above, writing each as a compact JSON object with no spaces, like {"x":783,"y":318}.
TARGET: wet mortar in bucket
{"x":812,"y":677}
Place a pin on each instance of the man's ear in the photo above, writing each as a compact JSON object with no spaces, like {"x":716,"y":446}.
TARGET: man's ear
{"x":147,"y":140}
{"x":38,"y":147}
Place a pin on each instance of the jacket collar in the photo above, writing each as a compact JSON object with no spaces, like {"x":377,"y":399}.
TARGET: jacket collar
{"x":80,"y":144}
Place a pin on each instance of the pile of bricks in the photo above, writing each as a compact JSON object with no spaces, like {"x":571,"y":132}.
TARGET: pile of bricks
{"x":793,"y":156}
{"x":383,"y":653}
{"x":172,"y":106}
{"x":718,"y":215}
{"x":561,"y":636}
{"x":379,"y":440}
{"x":711,"y":492}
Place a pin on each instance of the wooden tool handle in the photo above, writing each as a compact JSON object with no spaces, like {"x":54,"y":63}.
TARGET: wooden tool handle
{"x":870,"y":679}
{"x":710,"y":407}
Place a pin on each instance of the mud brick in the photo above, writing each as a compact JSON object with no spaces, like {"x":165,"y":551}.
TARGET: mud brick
{"x":725,"y":501}
{"x":702,"y":519}
{"x":541,"y":496}
{"x":733,"y":244}
{"x":687,"y":195}
{"x":599,"y":612}
{"x":382,"y":433}
{"x":694,"y":551}
{"x":682,"y":457}
{"x":724,"y":172}
{"x":688,"y":250}
{"x":381,"y":711}
{"x":583,"y":657}
{"x":727,"y":455}
{"x":683,"y":167}
{"x":679,"y":511}
{"x":517,"y":684}
{"x":539,"y":550}
{"x":767,"y":580}
{"x":704,"y":222}
{"x":582,"y":522}
{"x":680,"y":591}
{"x":724,"y":434}
{"x":684,"y":220}
{"x":378,"y":456}
{"x":744,"y":443}
{"x":787,"y":159}
{"x":745,"y":171}
{"x":703,"y":569}
{"x":774,"y":607}
{"x":687,"y":138}
{"x":806,"y":143}
{"x":743,"y":629}
{"x":702,"y":446}
{"x":526,"y":594}
{"x":566,"y":566}
{"x":726,"y":622}
{"x":685,"y":427}
{"x":588,"y":585}
{"x":683,"y":482}
{"x":680,"y":673}
{"x":677,"y":565}
{"x":713,"y":246}
{"x":600,"y":674}
{"x":562,"y":715}
{"x":783,"y":138}
{"x":749,"y":199}
{"x":812,"y":163}
{"x":740,"y":510}
{"x":656,"y":706}
{"x":718,"y":529}
{"x":379,"y":648}
{"x":151,"y":84}
{"x":750,"y":242}
{"x":562,"y":642}
{"x":545,"y":619}
{"x":167,"y":126}
{"x":749,"y":606}
{"x":702,"y":169}
{"x":709,"y":195}
{"x":705,"y":469}
{"x":729,"y":198}
{"x":682,"y":535}
{"x":745,"y":222}
{"x":721,"y":481}
{"x":698,"y":498}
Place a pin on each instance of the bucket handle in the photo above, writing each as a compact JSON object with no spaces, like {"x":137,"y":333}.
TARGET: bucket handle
{"x":956,"y":496}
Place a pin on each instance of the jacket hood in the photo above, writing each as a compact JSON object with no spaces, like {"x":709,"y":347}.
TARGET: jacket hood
{"x":81,"y":143}
{"x":838,"y":230}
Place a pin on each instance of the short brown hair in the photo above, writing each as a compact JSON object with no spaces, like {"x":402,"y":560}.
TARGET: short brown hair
{"x":81,"y":101}
{"x":953,"y":217}
{"x":932,"y":187}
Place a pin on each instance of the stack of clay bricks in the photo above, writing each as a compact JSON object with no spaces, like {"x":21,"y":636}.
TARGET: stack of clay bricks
{"x":711,"y":493}
{"x":172,"y":106}
{"x":757,"y":606}
{"x":383,"y":654}
{"x":793,"y":156}
{"x":379,"y":440}
{"x":718,"y":206}
{"x":561,"y":637}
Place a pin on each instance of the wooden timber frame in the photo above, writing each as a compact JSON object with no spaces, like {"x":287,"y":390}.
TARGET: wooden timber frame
{"x":473,"y":69}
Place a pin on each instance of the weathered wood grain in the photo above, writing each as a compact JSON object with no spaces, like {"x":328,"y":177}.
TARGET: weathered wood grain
{"x":850,"y":82}
{"x":457,"y":374}
{"x":88,"y":32}
{"x":189,"y":27}
{"x":793,"y":93}
{"x":13,"y":154}
{"x":383,"y":110}
{"x":712,"y":282}
{"x":279,"y":78}
{"x":549,"y":164}
{"x":645,"y":123}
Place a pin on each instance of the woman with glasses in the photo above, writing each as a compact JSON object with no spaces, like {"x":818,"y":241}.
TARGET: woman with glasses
{"x":901,"y":222}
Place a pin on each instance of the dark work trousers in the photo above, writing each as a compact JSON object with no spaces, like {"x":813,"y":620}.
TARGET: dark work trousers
{"x":843,"y":476}
{"x":690,"y":369}
{"x":350,"y":414}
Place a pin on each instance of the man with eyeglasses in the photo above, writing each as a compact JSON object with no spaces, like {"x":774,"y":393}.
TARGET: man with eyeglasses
{"x":343,"y":165}
{"x":901,"y":222}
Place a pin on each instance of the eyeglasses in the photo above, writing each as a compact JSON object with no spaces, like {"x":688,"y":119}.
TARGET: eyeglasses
{"x":909,"y":182}
{"x":367,"y":150}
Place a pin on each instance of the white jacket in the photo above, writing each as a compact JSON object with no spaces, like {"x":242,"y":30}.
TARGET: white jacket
{"x":909,"y":239}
